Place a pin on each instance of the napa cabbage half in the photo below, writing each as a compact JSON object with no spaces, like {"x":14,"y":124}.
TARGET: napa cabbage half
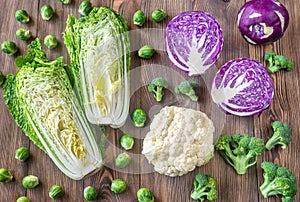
{"x":42,"y":94}
{"x":98,"y":46}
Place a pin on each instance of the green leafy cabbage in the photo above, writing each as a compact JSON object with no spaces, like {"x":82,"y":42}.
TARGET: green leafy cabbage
{"x":51,"y":114}
{"x":98,"y":45}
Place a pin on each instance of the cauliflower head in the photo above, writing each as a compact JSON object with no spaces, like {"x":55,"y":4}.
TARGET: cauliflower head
{"x":179,"y":140}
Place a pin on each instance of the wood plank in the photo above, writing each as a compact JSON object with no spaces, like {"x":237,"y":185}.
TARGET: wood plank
{"x":130,"y":174}
{"x":11,"y":136}
{"x":284,"y":106}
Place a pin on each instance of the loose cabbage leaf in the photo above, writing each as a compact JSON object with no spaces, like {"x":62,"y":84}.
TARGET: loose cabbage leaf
{"x":12,"y":102}
{"x":98,"y":46}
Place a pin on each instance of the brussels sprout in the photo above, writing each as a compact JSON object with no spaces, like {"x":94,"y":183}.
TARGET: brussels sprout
{"x":90,"y":193}
{"x":122,"y":160}
{"x":127,"y":141}
{"x":23,"y":199}
{"x":46,"y":12}
{"x":65,"y":1}
{"x":139,"y":117}
{"x":5,"y":175}
{"x":118,"y":186}
{"x":56,"y":192}
{"x":30,"y":181}
{"x":22,"y":154}
{"x":50,"y":41}
{"x":158,"y":15}
{"x":9,"y":47}
{"x":139,"y":18}
{"x":22,"y":16}
{"x":146,"y":52}
{"x":145,"y":195}
{"x":1,"y":78}
{"x":23,"y":34}
{"x":85,"y":8}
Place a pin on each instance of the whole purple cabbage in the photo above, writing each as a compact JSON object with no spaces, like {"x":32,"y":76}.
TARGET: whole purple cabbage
{"x":262,"y":21}
{"x":242,"y":87}
{"x":193,"y":41}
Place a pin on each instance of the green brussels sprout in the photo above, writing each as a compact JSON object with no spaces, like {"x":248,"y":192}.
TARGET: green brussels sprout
{"x":139,"y":117}
{"x":5,"y":175}
{"x":65,"y":1}
{"x":50,"y":41}
{"x":56,"y":192}
{"x":9,"y":47}
{"x":30,"y":181}
{"x":22,"y":154}
{"x":23,"y":199}
{"x":146,"y":52}
{"x":22,"y":16}
{"x":2,"y":78}
{"x":158,"y":15}
{"x":127,"y":141}
{"x":47,"y":12}
{"x":90,"y":193}
{"x":85,"y":8}
{"x":139,"y":18}
{"x":122,"y":160}
{"x":118,"y":186}
{"x":145,"y":195}
{"x":23,"y":34}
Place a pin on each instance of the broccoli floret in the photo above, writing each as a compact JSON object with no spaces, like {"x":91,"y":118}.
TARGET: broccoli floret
{"x":282,"y":135}
{"x":205,"y":187}
{"x":187,"y":88}
{"x":277,"y":62}
{"x":240,"y":150}
{"x":157,"y":86}
{"x":278,"y":180}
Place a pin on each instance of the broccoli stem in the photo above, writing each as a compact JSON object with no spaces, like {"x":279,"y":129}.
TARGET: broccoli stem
{"x":268,"y":189}
{"x":272,"y":69}
{"x":241,"y":164}
{"x":194,"y":98}
{"x":158,"y":93}
{"x":272,"y":142}
{"x":199,"y":194}
{"x":228,"y":155}
{"x":264,"y":184}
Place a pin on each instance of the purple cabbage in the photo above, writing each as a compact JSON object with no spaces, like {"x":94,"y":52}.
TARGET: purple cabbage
{"x":193,"y":41}
{"x":242,"y":87}
{"x":262,"y":21}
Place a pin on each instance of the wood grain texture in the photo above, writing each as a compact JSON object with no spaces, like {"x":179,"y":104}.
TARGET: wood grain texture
{"x":231,"y":187}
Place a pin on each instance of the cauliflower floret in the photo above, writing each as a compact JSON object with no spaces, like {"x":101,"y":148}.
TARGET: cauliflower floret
{"x":179,"y":140}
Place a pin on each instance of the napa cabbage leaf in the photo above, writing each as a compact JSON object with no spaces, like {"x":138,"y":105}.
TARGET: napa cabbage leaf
{"x":41,"y":99}
{"x":98,"y":46}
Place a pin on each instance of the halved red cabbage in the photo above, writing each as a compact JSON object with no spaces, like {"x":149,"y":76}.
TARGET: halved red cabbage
{"x":242,"y":87}
{"x":262,"y":21}
{"x":193,"y":41}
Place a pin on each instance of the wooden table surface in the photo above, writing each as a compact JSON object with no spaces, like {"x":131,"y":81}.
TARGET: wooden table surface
{"x":231,"y":187}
